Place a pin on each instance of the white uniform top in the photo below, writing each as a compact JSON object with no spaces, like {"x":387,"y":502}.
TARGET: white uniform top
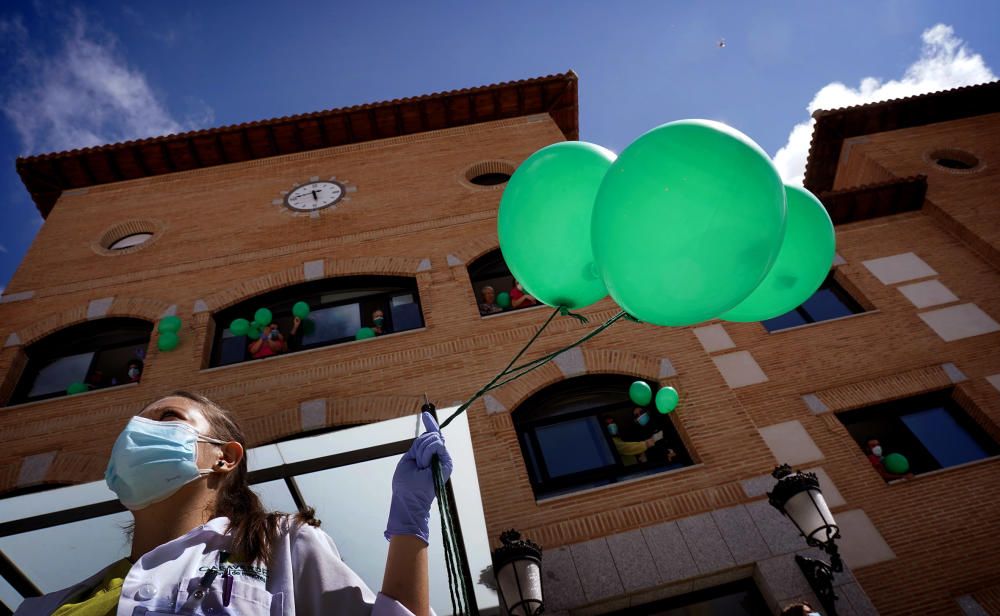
{"x":304,"y":577}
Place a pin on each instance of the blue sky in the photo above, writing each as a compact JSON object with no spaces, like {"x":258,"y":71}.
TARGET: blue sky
{"x":79,"y":74}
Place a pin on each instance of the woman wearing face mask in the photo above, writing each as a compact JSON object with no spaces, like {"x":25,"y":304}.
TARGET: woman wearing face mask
{"x":876,"y":457}
{"x":631,"y":452}
{"x":203,"y":543}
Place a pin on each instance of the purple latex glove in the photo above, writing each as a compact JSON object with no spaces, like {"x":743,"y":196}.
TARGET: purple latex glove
{"x":413,"y":484}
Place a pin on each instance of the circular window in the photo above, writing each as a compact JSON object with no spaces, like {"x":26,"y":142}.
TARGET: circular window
{"x":955,"y":161}
{"x":127,"y":237}
{"x":490,"y":173}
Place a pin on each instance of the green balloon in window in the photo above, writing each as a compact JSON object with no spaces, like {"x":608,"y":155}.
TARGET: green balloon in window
{"x":239,"y":327}
{"x":76,"y":388}
{"x":802,"y":264}
{"x":896,"y":463}
{"x":503,"y":299}
{"x":667,"y":399}
{"x":687,"y":222}
{"x":300,"y":309}
{"x":253,"y":332}
{"x":364,"y":333}
{"x":169,"y":324}
{"x":167,"y":341}
{"x":544,"y":223}
{"x":263,"y":317}
{"x":640,"y":393}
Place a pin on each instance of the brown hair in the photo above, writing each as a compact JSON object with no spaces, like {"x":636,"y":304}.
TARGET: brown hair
{"x":254,"y":529}
{"x":797,"y":609}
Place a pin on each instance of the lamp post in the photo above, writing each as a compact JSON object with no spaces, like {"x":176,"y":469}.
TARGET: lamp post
{"x":797,"y":496}
{"x":517,"y":565}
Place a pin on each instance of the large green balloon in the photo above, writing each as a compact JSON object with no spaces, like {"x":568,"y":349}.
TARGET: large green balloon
{"x":76,"y":388}
{"x":687,"y":222}
{"x":169,"y":324}
{"x":364,"y":333}
{"x":803,"y":262}
{"x":896,"y":463}
{"x":239,"y":327}
{"x":667,"y":399}
{"x":167,"y":341}
{"x":640,"y":393}
{"x":263,"y":317}
{"x":544,"y":223}
{"x":300,"y":309}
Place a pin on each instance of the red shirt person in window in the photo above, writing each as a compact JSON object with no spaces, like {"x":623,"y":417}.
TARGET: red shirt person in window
{"x":875,"y":456}
{"x":271,"y":342}
{"x":520,"y":299}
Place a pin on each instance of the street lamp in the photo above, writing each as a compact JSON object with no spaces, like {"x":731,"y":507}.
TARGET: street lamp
{"x":797,"y":495}
{"x":517,"y":565}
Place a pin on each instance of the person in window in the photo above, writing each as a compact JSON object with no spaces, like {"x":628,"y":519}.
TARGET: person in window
{"x":134,"y":370}
{"x":520,"y":299}
{"x":271,"y":342}
{"x":489,"y":303}
{"x":202,"y":542}
{"x":800,"y":608}
{"x":294,"y":340}
{"x":97,"y":380}
{"x":378,"y":322}
{"x":631,"y":452}
{"x":876,"y":457}
{"x":645,"y":427}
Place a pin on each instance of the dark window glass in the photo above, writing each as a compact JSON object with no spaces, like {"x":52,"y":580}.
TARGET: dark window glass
{"x":96,"y":353}
{"x":566,"y":444}
{"x":740,"y":598}
{"x":339,"y":307}
{"x":490,"y":179}
{"x":830,"y":301}
{"x":489,"y":272}
{"x":931,"y":431}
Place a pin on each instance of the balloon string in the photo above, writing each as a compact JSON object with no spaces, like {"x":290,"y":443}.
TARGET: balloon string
{"x":534,"y":364}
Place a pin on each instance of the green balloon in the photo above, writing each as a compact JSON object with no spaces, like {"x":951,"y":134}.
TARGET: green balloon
{"x":666,"y":399}
{"x":300,"y":309}
{"x":544,"y":223}
{"x":803,"y":262}
{"x":254,"y":331}
{"x":896,"y":463}
{"x":239,"y":327}
{"x":263,"y":317}
{"x":503,"y":299}
{"x":364,"y":333}
{"x":76,"y":388}
{"x":687,"y":222}
{"x":640,"y":393}
{"x":167,"y":341}
{"x":169,"y":324}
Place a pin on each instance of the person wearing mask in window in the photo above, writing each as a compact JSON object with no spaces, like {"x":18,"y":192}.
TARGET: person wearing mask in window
{"x":202,"y":542}
{"x":489,"y":303}
{"x":659,"y":453}
{"x":378,"y":322}
{"x":520,"y":299}
{"x":631,"y":452}
{"x":876,"y":457}
{"x":271,"y":342}
{"x":800,"y":608}
{"x":134,"y":370}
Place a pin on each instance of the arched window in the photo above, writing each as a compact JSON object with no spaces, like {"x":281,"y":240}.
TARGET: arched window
{"x":92,"y":355}
{"x":339,"y":308}
{"x":568,"y":446}
{"x":490,"y":277}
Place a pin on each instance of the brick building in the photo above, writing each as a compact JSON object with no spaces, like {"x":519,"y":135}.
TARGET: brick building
{"x":391,"y":208}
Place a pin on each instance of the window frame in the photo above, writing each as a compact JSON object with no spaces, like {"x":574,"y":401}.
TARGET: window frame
{"x":838,"y":289}
{"x":485,"y":270}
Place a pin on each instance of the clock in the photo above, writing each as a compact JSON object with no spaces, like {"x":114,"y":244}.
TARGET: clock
{"x":314,"y":196}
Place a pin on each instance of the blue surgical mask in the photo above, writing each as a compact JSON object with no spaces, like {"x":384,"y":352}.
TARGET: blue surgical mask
{"x":153,"y":459}
{"x":613,"y":429}
{"x":877,"y":450}
{"x":642,"y":419}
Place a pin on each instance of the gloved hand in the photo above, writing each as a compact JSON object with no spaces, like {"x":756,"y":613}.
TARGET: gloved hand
{"x":413,"y":483}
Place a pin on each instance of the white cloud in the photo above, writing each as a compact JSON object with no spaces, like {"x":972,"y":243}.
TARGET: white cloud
{"x":945,"y":62}
{"x":82,"y":94}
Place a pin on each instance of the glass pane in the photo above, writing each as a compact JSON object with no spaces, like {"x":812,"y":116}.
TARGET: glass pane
{"x":825,"y":305}
{"x":8,"y":596}
{"x":943,"y":437}
{"x":573,"y":446}
{"x":38,"y":503}
{"x":234,"y":350}
{"x":333,"y":324}
{"x":275,"y":496}
{"x":131,"y":240}
{"x":265,"y":456}
{"x":354,"y":438}
{"x":58,"y":375}
{"x":54,"y":558}
{"x":789,"y":319}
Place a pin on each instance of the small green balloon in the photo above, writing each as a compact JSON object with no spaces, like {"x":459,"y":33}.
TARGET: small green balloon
{"x":167,"y":341}
{"x":254,"y":331}
{"x":802,"y":264}
{"x":263,"y":317}
{"x":364,"y":333}
{"x":687,"y":222}
{"x":666,"y":399}
{"x":640,"y":393}
{"x":300,"y":309}
{"x":503,"y":299}
{"x":544,"y":223}
{"x":169,"y":324}
{"x":76,"y":388}
{"x":896,"y":463}
{"x":239,"y":327}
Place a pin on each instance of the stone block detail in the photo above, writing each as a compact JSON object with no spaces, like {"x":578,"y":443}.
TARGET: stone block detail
{"x":425,"y":265}
{"x":633,"y":560}
{"x":199,"y":306}
{"x":739,"y":369}
{"x":815,"y":405}
{"x":313,"y":270}
{"x":970,"y":607}
{"x":956,"y":375}
{"x":99,"y":308}
{"x":313,"y":414}
{"x":16,"y":297}
{"x":571,"y":363}
{"x":666,"y":369}
{"x":994,"y":380}
{"x":958,"y":322}
{"x":454,"y":261}
{"x":12,"y":340}
{"x":899,"y":268}
{"x":778,"y":532}
{"x":740,"y":534}
{"x":562,"y":582}
{"x":171,"y":311}
{"x":713,"y":338}
{"x":790,"y":443}
{"x":673,"y":559}
{"x":34,"y":468}
{"x":706,"y":543}
{"x":596,"y":568}
{"x":493,"y":405}
{"x":861,"y":544}
{"x":928,"y":293}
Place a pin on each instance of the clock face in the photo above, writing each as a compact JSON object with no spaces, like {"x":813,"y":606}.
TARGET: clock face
{"x":314,"y":196}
